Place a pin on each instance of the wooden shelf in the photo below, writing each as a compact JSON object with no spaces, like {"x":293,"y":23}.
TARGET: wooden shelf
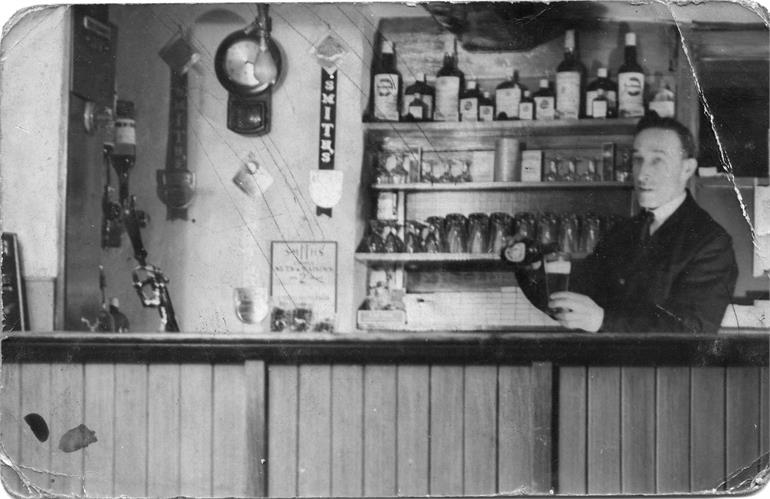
{"x":613,"y":126}
{"x":434,"y":257}
{"x":501,"y":186}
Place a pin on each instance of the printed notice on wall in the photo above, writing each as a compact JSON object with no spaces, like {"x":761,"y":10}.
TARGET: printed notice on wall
{"x":761,"y":230}
{"x":303,"y":284}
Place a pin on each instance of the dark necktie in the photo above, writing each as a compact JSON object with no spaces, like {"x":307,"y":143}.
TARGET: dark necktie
{"x":647,"y":218}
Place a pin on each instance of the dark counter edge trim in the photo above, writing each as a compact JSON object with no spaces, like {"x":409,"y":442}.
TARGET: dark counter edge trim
{"x":733,"y":348}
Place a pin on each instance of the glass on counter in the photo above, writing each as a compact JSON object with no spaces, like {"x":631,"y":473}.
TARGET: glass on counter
{"x":478,"y":232}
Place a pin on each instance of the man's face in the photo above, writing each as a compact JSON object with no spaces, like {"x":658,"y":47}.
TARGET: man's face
{"x":660,"y":169}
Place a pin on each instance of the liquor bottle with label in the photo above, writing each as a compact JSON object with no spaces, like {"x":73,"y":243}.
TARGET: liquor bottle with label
{"x":417,"y":109}
{"x":527,"y":106}
{"x":449,"y":84}
{"x":386,"y":85}
{"x":528,"y":251}
{"x":663,"y":102}
{"x":610,"y":93}
{"x":630,"y":82}
{"x":124,"y":151}
{"x":508,"y":97}
{"x":486,"y":107}
{"x":569,"y":80}
{"x":544,"y":101}
{"x":420,"y":86}
{"x":469,"y":102}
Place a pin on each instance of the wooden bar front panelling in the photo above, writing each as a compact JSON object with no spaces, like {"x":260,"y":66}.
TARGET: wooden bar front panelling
{"x":99,"y":466}
{"x":347,"y":451}
{"x":603,"y":450}
{"x":572,"y":430}
{"x":230,"y":450}
{"x":11,"y":421}
{"x":637,"y":430}
{"x":672,"y":444}
{"x":66,"y":414}
{"x":196,"y":420}
{"x":707,"y":428}
{"x":163,"y":457}
{"x":742,"y":425}
{"x":314,"y":431}
{"x":514,"y":437}
{"x":35,"y":456}
{"x":413,"y":420}
{"x":480,"y":434}
{"x":380,"y":430}
{"x":446,"y":430}
{"x":130,"y":430}
{"x":282,"y":430}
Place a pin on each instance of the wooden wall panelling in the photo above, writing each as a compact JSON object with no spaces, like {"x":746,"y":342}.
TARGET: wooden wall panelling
{"x":66,"y":414}
{"x":480,"y":434}
{"x":514,"y":459}
{"x":380,"y":460}
{"x":35,"y":456}
{"x":11,"y":421}
{"x":603,"y":453}
{"x":230,"y":451}
{"x":413,"y":430}
{"x":764,"y":411}
{"x":637,"y":435}
{"x":314,"y":431}
{"x":707,"y":430}
{"x":196,"y":411}
{"x":99,"y":467}
{"x":130,"y":429}
{"x":542,"y":427}
{"x":282,"y":430}
{"x":256,"y":428}
{"x":347,"y":442}
{"x":672,"y":445}
{"x":572,"y":427}
{"x":163,"y":430}
{"x":742,"y":439}
{"x":446,"y":435}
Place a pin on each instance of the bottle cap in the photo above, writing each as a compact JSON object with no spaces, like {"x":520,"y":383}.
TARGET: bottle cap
{"x":544,"y":83}
{"x":631,"y":39}
{"x":601,"y":73}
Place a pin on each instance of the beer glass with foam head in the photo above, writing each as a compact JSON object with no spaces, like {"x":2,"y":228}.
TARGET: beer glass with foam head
{"x":557,"y":267}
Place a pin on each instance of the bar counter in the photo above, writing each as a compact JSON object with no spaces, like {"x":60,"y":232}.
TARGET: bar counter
{"x":388,"y":414}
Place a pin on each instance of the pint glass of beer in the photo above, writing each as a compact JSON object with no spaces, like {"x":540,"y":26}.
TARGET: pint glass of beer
{"x":557,"y":267}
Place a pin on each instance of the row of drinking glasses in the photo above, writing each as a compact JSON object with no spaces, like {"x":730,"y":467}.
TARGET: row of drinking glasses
{"x":481,"y":233}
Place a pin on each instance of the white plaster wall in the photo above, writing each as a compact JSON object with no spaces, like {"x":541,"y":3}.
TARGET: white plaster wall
{"x":34,"y":81}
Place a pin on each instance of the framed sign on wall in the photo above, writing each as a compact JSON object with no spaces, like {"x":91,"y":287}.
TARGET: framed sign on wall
{"x":303,"y":285}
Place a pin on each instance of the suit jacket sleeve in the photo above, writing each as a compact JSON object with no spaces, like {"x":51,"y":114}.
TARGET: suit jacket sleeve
{"x":699,"y":295}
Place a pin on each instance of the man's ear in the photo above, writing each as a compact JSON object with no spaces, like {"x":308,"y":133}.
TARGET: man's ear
{"x":689,"y":166}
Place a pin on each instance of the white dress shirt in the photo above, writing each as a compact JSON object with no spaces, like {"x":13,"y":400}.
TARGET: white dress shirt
{"x":663,"y":212}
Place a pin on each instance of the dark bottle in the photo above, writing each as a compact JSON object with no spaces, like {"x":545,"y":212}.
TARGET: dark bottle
{"x":600,"y":105}
{"x":610,"y":88}
{"x":469,"y":103}
{"x":124,"y":152}
{"x":528,"y":251}
{"x":570,"y":75}
{"x":544,"y":101}
{"x":386,"y":85}
{"x":630,"y":82}
{"x":417,"y":109}
{"x":527,"y":106}
{"x":450,"y":82}
{"x":486,"y":107}
{"x":427,"y":93}
{"x":508,"y":96}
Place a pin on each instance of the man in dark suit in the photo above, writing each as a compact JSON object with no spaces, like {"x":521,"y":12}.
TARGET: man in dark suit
{"x":670,"y":268}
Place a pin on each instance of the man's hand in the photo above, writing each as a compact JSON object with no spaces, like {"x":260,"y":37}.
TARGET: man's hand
{"x":576,"y":311}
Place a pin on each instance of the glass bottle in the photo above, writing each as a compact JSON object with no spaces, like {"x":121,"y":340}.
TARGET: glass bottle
{"x":426,"y":93}
{"x":386,"y":85}
{"x":630,"y":82}
{"x":569,"y":80}
{"x":610,"y":92}
{"x":526,"y":106}
{"x":600,"y":105}
{"x":449,"y":83}
{"x":663,"y":102}
{"x":469,"y":102}
{"x":508,"y":96}
{"x":544,"y":101}
{"x":486,"y":107}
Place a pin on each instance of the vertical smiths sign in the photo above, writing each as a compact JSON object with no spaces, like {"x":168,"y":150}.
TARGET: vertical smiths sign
{"x":327,"y":133}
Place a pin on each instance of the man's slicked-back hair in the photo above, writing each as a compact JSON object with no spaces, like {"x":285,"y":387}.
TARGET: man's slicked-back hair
{"x":652,"y":120}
